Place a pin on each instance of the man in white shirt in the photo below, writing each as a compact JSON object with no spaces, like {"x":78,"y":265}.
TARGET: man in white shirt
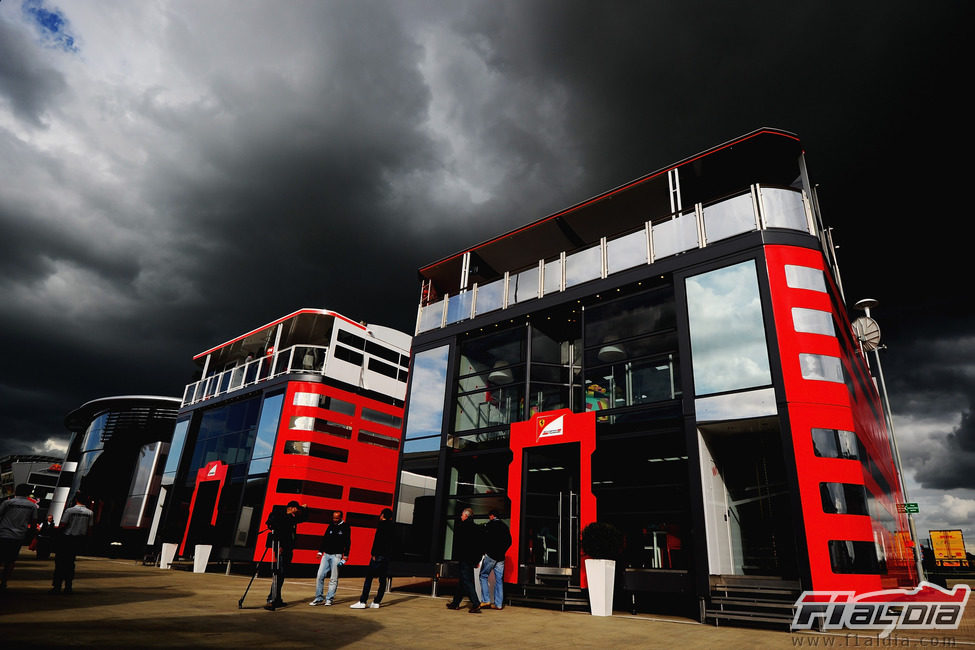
{"x":72,"y":533}
{"x":18,"y":515}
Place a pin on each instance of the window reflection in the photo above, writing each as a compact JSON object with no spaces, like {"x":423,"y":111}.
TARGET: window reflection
{"x":428,"y":384}
{"x":727,"y":330}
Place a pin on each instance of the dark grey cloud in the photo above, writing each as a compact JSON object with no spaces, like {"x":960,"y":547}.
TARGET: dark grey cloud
{"x":26,"y":84}
{"x":186,"y":173}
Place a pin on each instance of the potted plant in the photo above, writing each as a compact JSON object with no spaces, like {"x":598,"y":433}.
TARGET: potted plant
{"x":602,"y":543}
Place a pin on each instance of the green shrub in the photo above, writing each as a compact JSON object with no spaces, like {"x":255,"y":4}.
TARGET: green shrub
{"x":602,"y":541}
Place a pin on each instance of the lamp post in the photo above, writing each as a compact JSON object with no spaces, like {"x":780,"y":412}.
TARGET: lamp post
{"x":870,"y":341}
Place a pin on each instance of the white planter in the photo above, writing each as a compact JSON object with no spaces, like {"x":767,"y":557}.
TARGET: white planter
{"x":600,"y":574}
{"x":166,"y":555}
{"x":200,"y":558}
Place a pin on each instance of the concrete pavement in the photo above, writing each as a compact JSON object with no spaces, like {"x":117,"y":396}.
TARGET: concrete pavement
{"x":119,"y":603}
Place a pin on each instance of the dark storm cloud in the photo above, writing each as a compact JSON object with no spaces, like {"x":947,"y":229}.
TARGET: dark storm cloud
{"x":950,"y":463}
{"x":26,"y":83}
{"x":210,"y":167}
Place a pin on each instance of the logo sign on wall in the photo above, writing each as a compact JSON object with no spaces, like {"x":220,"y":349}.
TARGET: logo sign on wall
{"x":549,"y":427}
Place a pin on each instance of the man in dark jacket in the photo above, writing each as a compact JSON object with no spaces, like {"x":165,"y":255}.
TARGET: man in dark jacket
{"x":334,"y":551}
{"x":283,"y":525}
{"x":382,"y":549}
{"x":497,"y":541}
{"x":468,"y":552}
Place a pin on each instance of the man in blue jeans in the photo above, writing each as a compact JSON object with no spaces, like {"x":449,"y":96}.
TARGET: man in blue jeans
{"x":497,"y":541}
{"x":334,"y":551}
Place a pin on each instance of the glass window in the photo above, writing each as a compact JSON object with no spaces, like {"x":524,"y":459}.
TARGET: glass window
{"x":784,"y":209}
{"x":821,"y":367}
{"x":324,"y":401}
{"x":93,"y":436}
{"x":428,"y":386}
{"x":370,"y":496}
{"x":267,"y":430}
{"x":804,"y":277}
{"x":728,"y":218}
{"x":350,"y":339}
{"x":310,"y":488}
{"x":175,"y":451}
{"x":727,"y":330}
{"x":383,"y":368}
{"x":627,"y":251}
{"x":382,"y":352}
{"x":502,"y":405}
{"x":631,"y":382}
{"x":813,"y":321}
{"x":379,"y":417}
{"x":417,"y":445}
{"x":480,"y":474}
{"x":350,"y":356}
{"x":316,"y":450}
{"x":843,"y":498}
{"x":856,"y":557}
{"x":308,"y":423}
{"x":378,"y":439}
{"x":736,"y":406}
{"x":834,"y":443}
{"x":630,"y":317}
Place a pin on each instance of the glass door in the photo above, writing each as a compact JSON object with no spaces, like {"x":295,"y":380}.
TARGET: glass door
{"x":550,"y":512}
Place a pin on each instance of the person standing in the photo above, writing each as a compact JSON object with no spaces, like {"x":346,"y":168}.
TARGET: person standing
{"x":382,"y":549}
{"x":284,"y":529}
{"x":468,"y":551}
{"x":70,"y":540}
{"x":334,"y":551}
{"x":18,"y":516}
{"x":45,"y":538}
{"x":497,"y":541}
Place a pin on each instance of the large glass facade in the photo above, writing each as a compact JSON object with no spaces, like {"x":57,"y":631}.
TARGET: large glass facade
{"x":727,"y":330}
{"x":631,"y":352}
{"x":267,"y":430}
{"x":417,"y":488}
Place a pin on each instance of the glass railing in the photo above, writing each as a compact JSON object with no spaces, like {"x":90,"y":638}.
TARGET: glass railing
{"x":307,"y":359}
{"x":758,"y":207}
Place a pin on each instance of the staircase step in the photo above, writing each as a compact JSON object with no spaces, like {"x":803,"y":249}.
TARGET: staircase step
{"x":775,"y":604}
{"x":744,"y":616}
{"x":525,"y":601}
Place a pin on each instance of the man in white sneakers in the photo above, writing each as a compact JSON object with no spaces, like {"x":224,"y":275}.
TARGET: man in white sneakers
{"x":334,"y":551}
{"x":382,"y":548}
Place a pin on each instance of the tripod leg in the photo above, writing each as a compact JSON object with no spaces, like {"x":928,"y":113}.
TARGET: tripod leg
{"x":240,"y":603}
{"x":276,"y":577}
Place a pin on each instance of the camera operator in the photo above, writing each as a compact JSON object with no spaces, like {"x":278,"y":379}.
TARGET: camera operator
{"x":283,"y":525}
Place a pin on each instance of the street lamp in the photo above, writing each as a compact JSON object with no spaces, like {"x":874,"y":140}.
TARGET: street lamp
{"x":868,"y":333}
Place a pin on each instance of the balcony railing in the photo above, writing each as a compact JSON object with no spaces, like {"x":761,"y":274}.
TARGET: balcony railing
{"x":306,"y":359}
{"x":757,"y":208}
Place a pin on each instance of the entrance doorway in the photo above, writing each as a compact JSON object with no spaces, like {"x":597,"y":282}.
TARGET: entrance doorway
{"x":747,"y":513}
{"x":550,"y":510}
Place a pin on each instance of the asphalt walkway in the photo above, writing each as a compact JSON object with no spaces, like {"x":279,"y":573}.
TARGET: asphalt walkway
{"x":119,"y":603}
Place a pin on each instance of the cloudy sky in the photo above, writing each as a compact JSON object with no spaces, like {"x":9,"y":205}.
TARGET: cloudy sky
{"x":175,"y":173}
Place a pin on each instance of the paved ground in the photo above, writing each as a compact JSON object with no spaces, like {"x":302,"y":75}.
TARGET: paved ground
{"x":118,"y":603}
